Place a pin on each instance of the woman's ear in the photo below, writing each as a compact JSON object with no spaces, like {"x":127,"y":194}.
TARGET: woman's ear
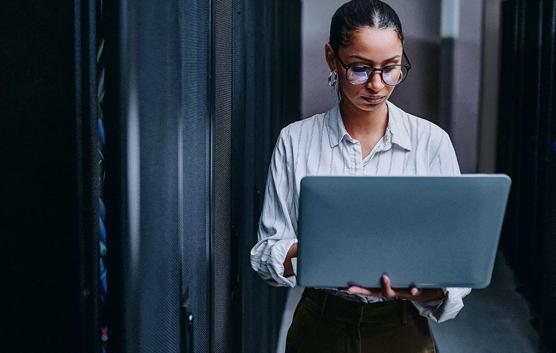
{"x":330,"y":57}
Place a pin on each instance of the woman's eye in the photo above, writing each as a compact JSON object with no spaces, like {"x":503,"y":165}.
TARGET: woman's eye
{"x":359,"y":68}
{"x":389,"y":69}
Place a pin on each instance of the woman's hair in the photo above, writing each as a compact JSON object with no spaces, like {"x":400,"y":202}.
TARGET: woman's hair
{"x":360,"y":13}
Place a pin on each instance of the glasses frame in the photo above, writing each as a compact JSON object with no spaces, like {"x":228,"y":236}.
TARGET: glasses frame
{"x":371,"y":70}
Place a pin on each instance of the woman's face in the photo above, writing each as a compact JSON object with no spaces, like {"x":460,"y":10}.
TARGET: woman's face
{"x":368,"y":46}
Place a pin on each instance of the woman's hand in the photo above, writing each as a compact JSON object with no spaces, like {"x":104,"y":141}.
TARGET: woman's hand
{"x":387,"y":291}
{"x":288,"y":266}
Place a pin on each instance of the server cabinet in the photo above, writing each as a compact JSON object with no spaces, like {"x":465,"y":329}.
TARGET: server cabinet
{"x":266,"y":97}
{"x":159,"y":158}
{"x":197,"y":94}
{"x":173,"y":74}
{"x":547,"y":170}
{"x":49,"y":213}
{"x":527,"y":153}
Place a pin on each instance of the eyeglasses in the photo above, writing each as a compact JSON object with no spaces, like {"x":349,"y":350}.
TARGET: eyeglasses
{"x":391,"y":75}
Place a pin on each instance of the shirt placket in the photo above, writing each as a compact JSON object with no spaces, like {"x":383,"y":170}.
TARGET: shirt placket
{"x":357,"y":161}
{"x":382,"y":145}
{"x":354,"y":157}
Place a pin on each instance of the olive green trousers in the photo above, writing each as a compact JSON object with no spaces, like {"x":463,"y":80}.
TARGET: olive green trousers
{"x":325,"y":323}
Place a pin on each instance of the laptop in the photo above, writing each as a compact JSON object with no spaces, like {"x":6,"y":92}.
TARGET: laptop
{"x":426,"y":231}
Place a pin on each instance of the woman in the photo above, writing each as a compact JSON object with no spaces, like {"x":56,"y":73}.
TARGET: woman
{"x":364,"y":135}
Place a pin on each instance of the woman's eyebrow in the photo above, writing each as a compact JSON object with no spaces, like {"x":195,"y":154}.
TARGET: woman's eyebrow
{"x":371,"y":61}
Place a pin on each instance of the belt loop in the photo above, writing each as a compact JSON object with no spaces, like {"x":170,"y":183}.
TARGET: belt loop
{"x":323,"y":305}
{"x":403,"y":311}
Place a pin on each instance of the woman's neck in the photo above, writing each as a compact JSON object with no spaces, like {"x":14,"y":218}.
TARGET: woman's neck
{"x":361,"y":123}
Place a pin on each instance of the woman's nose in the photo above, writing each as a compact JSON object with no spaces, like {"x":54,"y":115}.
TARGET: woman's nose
{"x":375,"y":81}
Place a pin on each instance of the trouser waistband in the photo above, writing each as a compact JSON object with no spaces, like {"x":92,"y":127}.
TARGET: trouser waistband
{"x":335,"y":307}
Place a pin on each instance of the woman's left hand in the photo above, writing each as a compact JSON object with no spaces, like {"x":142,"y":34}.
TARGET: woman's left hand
{"x":387,"y":291}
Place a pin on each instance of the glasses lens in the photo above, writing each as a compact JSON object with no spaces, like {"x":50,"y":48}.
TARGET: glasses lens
{"x":357,"y":77}
{"x":392,"y":75}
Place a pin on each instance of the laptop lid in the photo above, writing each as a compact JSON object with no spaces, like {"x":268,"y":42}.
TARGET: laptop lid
{"x":424,"y":231}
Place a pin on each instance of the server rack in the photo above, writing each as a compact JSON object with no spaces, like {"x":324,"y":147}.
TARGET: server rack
{"x":198,"y":95}
{"x":160,"y":76}
{"x":266,"y":97}
{"x":51,"y":110}
{"x":49,"y":215}
{"x":194,"y":94}
{"x":527,"y":152}
{"x":548,"y":170}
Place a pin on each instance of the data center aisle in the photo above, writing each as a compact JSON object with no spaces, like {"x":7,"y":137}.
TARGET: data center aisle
{"x":494,"y":320}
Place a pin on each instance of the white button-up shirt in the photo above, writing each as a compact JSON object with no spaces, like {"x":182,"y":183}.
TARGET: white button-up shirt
{"x":320,"y":145}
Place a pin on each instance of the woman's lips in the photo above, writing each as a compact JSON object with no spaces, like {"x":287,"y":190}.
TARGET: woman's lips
{"x":374,"y":99}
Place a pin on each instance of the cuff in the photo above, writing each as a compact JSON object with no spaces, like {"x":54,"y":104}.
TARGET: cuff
{"x":443,"y":309}
{"x":276,"y":266}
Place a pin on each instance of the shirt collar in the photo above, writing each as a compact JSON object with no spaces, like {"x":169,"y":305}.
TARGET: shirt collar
{"x":399,"y":135}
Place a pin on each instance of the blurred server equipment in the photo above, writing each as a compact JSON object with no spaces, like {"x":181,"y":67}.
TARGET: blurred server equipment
{"x":266,"y":97}
{"x":198,"y":91}
{"x":180,"y":102}
{"x":527,"y":152}
{"x":49,"y":219}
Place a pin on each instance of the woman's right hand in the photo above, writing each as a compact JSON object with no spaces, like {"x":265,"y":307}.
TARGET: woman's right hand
{"x":288,"y":267}
{"x":386,"y":290}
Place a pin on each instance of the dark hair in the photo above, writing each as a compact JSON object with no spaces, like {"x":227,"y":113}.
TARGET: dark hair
{"x":359,"y":13}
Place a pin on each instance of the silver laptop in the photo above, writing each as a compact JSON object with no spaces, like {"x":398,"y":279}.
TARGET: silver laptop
{"x":423,"y":231}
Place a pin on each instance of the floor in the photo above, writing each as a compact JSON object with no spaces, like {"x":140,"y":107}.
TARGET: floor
{"x":494,"y":320}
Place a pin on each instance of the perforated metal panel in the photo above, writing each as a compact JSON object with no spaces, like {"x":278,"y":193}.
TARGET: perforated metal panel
{"x":154,"y":295}
{"x":196,"y":157}
{"x":266,"y":90}
{"x":221,"y":164}
{"x":182,"y":251}
{"x":158,"y":93}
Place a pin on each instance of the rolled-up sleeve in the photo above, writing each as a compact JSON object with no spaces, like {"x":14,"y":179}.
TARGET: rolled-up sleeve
{"x":445,"y":163}
{"x":277,"y":226}
{"x":446,"y":308}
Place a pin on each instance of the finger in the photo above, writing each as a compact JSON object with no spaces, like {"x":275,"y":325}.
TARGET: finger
{"x":387,"y":290}
{"x":415,"y":292}
{"x":359,"y":290}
